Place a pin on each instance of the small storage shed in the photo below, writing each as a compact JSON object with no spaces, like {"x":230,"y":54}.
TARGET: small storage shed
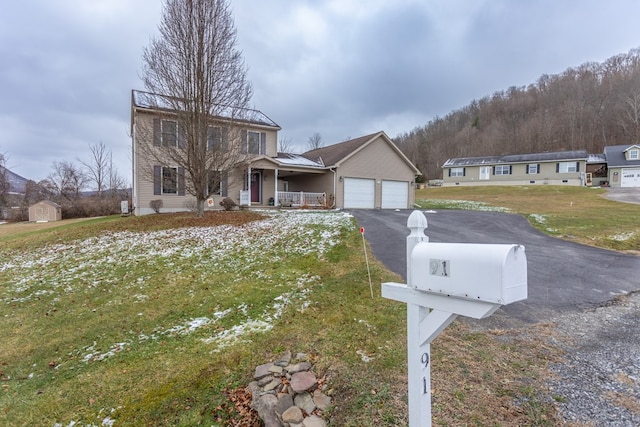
{"x":45,"y":211}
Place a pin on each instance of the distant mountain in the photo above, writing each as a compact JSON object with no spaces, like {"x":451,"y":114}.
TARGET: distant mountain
{"x":17,"y":184}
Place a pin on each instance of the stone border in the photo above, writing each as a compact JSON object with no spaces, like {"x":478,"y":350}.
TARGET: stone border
{"x":286,"y":393}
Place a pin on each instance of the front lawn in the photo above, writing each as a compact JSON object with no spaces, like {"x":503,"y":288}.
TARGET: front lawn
{"x":156,"y":320}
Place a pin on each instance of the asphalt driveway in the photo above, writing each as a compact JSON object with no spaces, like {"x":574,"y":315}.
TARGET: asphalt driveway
{"x":562,"y":276}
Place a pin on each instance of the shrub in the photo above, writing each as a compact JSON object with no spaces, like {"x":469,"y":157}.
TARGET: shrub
{"x":156,"y":205}
{"x":227,"y":203}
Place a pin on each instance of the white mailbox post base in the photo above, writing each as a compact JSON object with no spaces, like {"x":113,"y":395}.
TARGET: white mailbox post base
{"x":429,"y":312}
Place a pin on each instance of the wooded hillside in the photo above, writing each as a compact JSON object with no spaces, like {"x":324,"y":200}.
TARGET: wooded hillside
{"x":587,"y":107}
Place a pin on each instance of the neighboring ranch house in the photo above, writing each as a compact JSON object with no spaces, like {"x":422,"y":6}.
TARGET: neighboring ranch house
{"x":45,"y":211}
{"x":367,"y":172}
{"x":623,"y":164}
{"x":557,"y":168}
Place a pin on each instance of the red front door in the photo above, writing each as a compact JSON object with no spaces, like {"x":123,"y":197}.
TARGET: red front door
{"x":256,"y":182}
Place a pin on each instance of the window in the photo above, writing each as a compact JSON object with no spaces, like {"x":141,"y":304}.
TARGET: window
{"x":533,"y":169}
{"x":214,"y":138}
{"x":567,"y":167}
{"x":253,"y":142}
{"x":217,"y":185}
{"x":169,"y":180}
{"x":456,"y":172}
{"x":169,"y":133}
{"x":634,"y":154}
{"x":502,"y":170}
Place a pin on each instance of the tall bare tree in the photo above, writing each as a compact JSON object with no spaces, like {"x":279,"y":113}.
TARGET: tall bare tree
{"x":66,"y":181}
{"x":197,"y":69}
{"x":285,"y":145}
{"x":97,"y":167}
{"x":314,"y":142}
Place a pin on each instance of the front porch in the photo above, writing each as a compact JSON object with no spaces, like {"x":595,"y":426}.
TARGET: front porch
{"x":269,"y":182}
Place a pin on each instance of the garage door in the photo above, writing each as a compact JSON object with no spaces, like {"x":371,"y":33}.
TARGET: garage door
{"x":630,"y":178}
{"x":359,"y":193}
{"x":395,"y":194}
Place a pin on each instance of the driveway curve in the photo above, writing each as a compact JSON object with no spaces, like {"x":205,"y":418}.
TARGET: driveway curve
{"x":562,"y":276}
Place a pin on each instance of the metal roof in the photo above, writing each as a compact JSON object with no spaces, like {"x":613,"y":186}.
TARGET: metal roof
{"x":155,"y":101}
{"x":296,"y":160}
{"x":518,"y":158}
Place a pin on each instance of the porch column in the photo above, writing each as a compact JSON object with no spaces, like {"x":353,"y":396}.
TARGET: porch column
{"x":275,"y":187}
{"x":249,"y":182}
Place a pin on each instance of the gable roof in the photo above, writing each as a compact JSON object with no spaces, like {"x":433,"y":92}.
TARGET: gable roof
{"x":334,"y":155}
{"x":616,"y":158}
{"x":518,"y":158}
{"x":47,"y":202}
{"x":157,"y":102}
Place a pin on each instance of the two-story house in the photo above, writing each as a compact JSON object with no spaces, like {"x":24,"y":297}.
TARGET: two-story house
{"x":366,"y":172}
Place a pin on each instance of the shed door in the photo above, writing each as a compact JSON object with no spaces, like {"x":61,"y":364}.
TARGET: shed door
{"x":630,"y":178}
{"x":395,"y":195}
{"x":359,"y":193}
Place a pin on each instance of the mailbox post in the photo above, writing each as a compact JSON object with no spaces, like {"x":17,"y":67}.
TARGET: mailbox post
{"x":445,"y":280}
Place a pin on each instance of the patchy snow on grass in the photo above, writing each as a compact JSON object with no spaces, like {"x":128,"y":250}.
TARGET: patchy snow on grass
{"x":540,"y":219}
{"x":469,"y":205}
{"x":621,"y":237}
{"x":117,"y":270}
{"x":104,"y":260}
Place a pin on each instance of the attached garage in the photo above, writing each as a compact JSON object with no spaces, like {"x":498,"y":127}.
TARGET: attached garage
{"x":395,"y":194}
{"x":359,"y":193}
{"x":630,"y":178}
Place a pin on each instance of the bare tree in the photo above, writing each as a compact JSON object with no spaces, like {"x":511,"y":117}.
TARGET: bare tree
{"x":285,"y":145}
{"x":66,"y":180}
{"x":314,"y":142}
{"x":97,"y":167}
{"x":195,"y":65}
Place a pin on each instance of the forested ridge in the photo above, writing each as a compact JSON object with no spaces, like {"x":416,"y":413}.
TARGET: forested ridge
{"x":586,"y":107}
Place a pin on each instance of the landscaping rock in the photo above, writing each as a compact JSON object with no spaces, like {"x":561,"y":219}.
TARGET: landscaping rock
{"x":262,"y":371}
{"x":282,"y":395}
{"x":305,"y":402}
{"x":293,"y":415}
{"x":321,"y":400}
{"x":303,"y":381}
{"x":314,"y":421}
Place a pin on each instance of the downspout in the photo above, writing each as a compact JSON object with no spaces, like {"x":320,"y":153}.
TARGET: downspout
{"x":334,"y":187}
{"x":134,"y":160}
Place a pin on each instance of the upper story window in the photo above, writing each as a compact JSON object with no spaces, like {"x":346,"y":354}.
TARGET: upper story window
{"x":567,"y":167}
{"x":533,"y":169}
{"x":253,"y":142}
{"x":169,"y":133}
{"x":634,"y":154}
{"x":456,"y":172}
{"x":502,"y":170}
{"x":214,"y":137}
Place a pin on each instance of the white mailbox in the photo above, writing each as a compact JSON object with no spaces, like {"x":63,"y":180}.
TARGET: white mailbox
{"x":494,"y":273}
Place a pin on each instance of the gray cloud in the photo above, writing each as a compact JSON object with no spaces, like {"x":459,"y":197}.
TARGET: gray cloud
{"x":341,"y":68}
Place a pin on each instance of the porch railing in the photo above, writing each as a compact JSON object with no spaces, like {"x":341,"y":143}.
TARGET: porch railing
{"x":301,"y":198}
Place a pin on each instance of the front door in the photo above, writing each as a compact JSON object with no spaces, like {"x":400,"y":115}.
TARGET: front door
{"x":256,"y":186}
{"x":485,"y":172}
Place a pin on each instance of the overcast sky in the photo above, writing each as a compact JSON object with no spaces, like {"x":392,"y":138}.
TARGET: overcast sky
{"x":342,"y":68}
